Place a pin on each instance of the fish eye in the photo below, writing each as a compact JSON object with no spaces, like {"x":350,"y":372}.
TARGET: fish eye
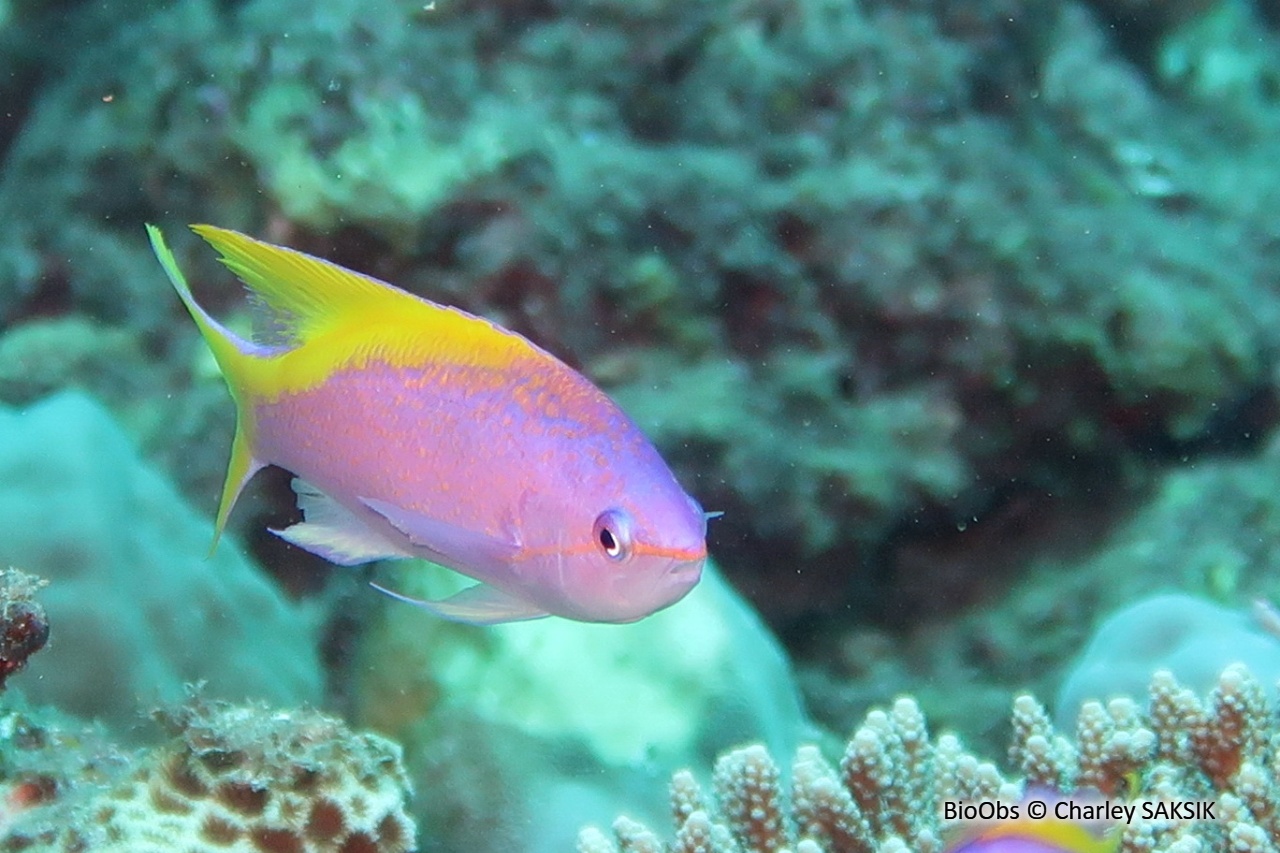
{"x":612,"y":533}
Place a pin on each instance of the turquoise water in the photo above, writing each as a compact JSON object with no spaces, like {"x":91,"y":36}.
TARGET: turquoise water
{"x":963,"y":314}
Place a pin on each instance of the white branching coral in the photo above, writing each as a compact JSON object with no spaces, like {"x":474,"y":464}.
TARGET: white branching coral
{"x":885,"y":794}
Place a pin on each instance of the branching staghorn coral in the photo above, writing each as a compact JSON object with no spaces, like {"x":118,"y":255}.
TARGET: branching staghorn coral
{"x":1223,"y":748}
{"x":886,"y":793}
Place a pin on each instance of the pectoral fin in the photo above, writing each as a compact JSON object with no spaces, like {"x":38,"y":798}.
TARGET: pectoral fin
{"x":476,"y":605}
{"x":334,"y":532}
{"x":472,"y":552}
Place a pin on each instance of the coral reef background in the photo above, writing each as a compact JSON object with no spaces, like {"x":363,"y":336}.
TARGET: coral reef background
{"x":964,"y":313}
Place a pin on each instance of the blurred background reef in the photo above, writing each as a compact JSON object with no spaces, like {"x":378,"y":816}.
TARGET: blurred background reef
{"x":966,"y":314}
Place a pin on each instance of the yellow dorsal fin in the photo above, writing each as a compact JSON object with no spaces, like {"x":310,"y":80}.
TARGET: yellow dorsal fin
{"x":306,"y":295}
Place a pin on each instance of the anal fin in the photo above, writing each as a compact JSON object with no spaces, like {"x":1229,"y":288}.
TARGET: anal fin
{"x":332,"y":531}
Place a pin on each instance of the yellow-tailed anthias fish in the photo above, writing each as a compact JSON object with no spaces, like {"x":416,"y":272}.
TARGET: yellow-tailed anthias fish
{"x":418,"y":430}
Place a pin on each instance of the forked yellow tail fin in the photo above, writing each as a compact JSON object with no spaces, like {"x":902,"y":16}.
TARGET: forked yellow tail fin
{"x":238,"y":365}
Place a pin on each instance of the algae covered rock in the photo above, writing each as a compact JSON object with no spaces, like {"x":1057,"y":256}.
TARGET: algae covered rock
{"x":41,"y":356}
{"x":523,"y":731}
{"x":138,"y":608}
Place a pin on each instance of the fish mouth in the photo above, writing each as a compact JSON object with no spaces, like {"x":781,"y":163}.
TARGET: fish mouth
{"x":687,"y":570}
{"x":673,"y":584}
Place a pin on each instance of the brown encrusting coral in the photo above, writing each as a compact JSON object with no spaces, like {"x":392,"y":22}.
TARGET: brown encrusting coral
{"x":230,"y":778}
{"x":885,"y":795}
{"x":240,"y":778}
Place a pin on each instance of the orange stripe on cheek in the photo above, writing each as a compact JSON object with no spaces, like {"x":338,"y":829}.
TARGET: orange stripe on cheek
{"x":638,"y":549}
{"x":687,"y":554}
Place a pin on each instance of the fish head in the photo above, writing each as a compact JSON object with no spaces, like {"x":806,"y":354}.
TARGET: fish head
{"x":622,"y":561}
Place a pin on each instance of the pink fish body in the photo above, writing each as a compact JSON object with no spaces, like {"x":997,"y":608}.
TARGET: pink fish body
{"x":1024,"y":835}
{"x":417,"y":430}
